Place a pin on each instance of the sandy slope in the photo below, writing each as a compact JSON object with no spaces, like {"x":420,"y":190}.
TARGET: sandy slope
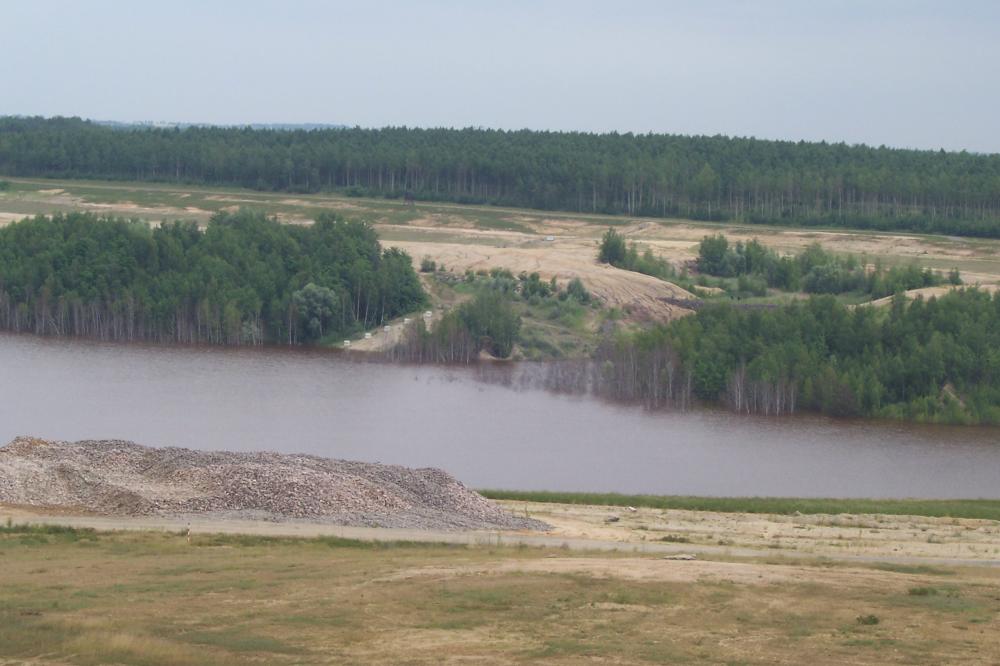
{"x":562,"y":258}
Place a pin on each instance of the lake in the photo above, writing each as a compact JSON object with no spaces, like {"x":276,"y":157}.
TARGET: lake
{"x":486,"y":434}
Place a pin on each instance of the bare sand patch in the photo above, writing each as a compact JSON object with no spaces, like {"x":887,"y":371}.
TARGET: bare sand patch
{"x":7,"y":218}
{"x":642,"y":295}
{"x":856,"y":536}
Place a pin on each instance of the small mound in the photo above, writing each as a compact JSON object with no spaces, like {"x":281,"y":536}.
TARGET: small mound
{"x":113,"y":477}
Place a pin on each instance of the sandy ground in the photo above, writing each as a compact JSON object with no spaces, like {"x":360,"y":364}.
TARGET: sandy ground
{"x":382,"y":339}
{"x":866,"y":537}
{"x":572,"y":250}
{"x":564,"y":259}
{"x":670,"y":533}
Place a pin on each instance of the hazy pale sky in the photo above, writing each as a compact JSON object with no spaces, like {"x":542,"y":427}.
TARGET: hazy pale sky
{"x":898,"y":72}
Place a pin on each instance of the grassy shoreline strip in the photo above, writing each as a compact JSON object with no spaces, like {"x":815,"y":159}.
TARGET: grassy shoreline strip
{"x":961,"y":508}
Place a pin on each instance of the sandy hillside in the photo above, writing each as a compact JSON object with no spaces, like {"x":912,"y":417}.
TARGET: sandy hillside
{"x":561,"y":258}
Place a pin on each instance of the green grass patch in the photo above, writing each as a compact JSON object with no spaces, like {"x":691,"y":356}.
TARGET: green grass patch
{"x":499,"y":223}
{"x":251,"y":540}
{"x":979,"y":509}
{"x":920,"y":569}
{"x":14,"y":534}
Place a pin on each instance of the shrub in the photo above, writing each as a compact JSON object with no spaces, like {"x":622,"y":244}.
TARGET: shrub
{"x":612,"y":248}
{"x":575,"y":289}
{"x":491,"y":319}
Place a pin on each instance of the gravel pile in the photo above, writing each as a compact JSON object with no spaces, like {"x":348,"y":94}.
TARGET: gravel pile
{"x":113,"y":477}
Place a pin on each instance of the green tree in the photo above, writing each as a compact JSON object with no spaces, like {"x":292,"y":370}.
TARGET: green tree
{"x":316,"y":307}
{"x":612,"y":248}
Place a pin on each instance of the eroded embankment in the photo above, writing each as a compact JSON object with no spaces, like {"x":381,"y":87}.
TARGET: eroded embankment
{"x":112,"y":477}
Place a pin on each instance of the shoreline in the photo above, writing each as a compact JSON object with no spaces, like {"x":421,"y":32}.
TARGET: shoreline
{"x":682,"y":534}
{"x":972,"y":508}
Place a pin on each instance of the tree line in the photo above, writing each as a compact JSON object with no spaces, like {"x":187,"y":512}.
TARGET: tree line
{"x":814,"y":270}
{"x":245,"y":279}
{"x":936,"y":360}
{"x":700,"y":177}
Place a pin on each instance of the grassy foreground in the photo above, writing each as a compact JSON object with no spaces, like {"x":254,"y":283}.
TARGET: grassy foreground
{"x":964,"y":508}
{"x":85,"y":597}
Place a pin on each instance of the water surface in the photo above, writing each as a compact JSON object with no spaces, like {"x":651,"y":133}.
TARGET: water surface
{"x":486,"y":434}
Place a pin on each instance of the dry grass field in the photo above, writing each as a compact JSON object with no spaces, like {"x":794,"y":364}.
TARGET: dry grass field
{"x":83,"y":597}
{"x":760,"y":589}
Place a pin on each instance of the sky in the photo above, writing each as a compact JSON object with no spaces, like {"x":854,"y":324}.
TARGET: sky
{"x":912,"y":74}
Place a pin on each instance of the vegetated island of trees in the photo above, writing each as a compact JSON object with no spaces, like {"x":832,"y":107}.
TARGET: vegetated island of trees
{"x":700,"y":177}
{"x":245,"y":279}
{"x":936,"y":360}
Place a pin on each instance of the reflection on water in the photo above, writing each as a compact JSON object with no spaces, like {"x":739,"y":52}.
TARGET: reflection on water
{"x":491,"y":426}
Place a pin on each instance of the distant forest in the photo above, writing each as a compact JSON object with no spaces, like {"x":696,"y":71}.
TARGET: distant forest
{"x":706,"y":178}
{"x":245,"y":280}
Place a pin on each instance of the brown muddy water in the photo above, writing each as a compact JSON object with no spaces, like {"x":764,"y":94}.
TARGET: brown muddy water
{"x":487,"y":434}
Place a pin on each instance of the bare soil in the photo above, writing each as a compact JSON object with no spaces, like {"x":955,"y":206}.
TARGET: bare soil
{"x":564,"y":258}
{"x":829,"y":536}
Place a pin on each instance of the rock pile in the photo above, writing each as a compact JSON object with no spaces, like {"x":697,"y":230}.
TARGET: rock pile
{"x":113,"y":477}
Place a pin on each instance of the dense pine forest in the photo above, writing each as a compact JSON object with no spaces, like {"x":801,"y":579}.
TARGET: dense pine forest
{"x":936,"y":360}
{"x":246,"y":279}
{"x":711,"y":178}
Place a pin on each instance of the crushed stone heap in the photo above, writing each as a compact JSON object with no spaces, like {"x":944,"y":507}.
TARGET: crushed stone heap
{"x":113,"y":477}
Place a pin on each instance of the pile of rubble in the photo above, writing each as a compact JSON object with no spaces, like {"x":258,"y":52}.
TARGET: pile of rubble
{"x":113,"y":477}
